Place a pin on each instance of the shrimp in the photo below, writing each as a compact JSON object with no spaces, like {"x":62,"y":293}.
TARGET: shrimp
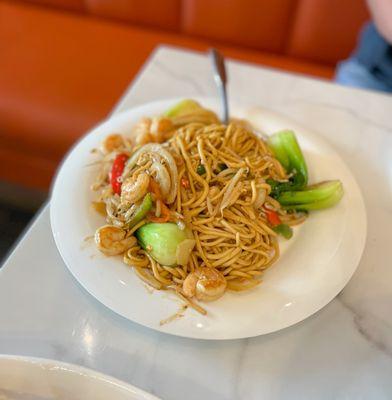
{"x":149,"y":130}
{"x":205,"y":283}
{"x":134,"y":189}
{"x":142,"y":131}
{"x":144,"y":138}
{"x":160,"y":126}
{"x":112,"y":240}
{"x":111,"y":143}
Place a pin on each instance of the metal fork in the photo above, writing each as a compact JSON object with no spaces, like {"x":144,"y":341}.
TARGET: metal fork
{"x":220,"y":78}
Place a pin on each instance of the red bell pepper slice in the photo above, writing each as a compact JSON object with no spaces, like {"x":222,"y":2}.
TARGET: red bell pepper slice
{"x":272,"y":217}
{"x":116,"y":172}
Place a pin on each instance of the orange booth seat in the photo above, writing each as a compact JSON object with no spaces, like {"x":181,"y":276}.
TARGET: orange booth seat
{"x":64,"y":63}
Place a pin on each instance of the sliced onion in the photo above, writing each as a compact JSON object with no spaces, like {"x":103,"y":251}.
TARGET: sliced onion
{"x":158,"y":152}
{"x":162,"y":177}
{"x":184,"y":251}
{"x":260,"y":198}
{"x":226,"y":197}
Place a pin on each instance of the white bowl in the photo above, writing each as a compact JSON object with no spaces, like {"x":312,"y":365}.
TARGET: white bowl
{"x":25,"y":378}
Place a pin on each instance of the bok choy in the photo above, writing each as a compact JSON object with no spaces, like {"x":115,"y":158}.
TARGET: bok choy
{"x":286,"y":149}
{"x":315,"y":197}
{"x":295,"y":194}
{"x":166,"y":243}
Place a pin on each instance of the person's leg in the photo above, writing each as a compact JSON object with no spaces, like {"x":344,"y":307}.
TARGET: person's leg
{"x":352,"y":73}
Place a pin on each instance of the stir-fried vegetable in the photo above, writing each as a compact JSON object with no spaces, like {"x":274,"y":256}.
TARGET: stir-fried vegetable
{"x":116,"y":172}
{"x":294,"y":194}
{"x":232,"y":190}
{"x":142,"y":211}
{"x":276,"y":223}
{"x":311,"y":194}
{"x":286,"y":149}
{"x":183,"y":107}
{"x":185,"y":183}
{"x":157,"y":153}
{"x":283,"y":230}
{"x":272,"y":216}
{"x":166,"y":243}
{"x":260,"y":198}
{"x":201,"y":169}
{"x":315,"y":197}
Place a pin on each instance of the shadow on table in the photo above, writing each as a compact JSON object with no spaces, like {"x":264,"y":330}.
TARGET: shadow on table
{"x":13,"y":221}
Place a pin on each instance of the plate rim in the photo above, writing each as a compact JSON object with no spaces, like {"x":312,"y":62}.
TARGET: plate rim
{"x":308,"y":132}
{"x":79,"y":370}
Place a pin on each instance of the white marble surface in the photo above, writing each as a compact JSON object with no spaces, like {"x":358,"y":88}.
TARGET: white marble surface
{"x":342,"y":352}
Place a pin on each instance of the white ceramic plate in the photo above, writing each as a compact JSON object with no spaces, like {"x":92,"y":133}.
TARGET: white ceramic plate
{"x":314,"y":266}
{"x":25,"y":378}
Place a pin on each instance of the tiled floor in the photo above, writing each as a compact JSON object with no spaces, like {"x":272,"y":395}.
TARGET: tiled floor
{"x":12,"y":223}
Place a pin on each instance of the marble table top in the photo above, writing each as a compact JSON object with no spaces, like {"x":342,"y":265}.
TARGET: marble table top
{"x":342,"y":352}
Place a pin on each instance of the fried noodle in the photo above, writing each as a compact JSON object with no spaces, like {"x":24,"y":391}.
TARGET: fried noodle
{"x":224,"y":207}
